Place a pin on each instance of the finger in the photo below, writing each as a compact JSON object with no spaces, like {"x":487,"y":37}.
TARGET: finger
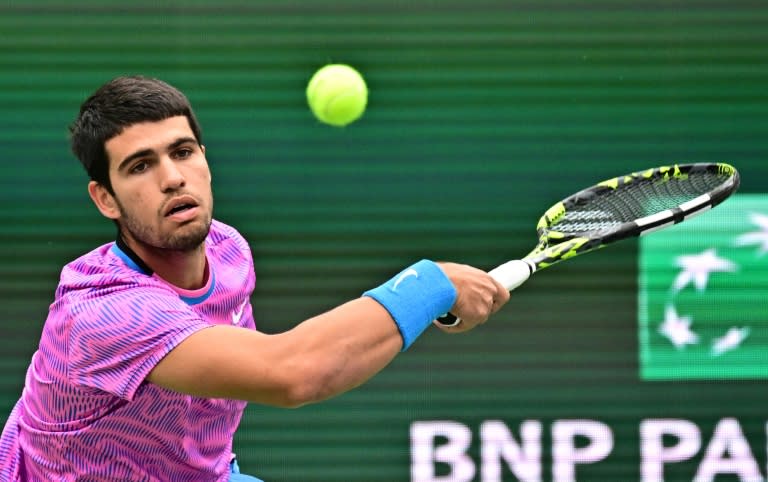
{"x":502,"y":294}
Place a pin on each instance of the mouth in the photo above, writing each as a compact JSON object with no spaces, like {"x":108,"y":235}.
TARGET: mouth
{"x":179,"y":205}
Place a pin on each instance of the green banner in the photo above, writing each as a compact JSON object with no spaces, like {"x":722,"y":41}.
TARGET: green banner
{"x":703,"y":295}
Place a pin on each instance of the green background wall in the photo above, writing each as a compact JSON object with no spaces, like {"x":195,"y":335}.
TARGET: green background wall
{"x":481,"y":115}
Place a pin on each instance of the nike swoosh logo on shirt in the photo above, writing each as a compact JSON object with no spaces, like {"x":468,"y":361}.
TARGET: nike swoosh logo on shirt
{"x":236,"y":315}
{"x":407,"y":273}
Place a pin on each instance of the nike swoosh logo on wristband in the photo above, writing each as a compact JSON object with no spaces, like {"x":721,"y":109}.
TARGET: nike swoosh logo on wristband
{"x":406,"y":274}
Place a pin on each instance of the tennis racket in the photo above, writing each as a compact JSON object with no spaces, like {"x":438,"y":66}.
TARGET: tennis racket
{"x":619,"y":208}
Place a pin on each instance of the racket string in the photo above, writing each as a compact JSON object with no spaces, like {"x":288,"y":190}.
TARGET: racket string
{"x":607,"y":209}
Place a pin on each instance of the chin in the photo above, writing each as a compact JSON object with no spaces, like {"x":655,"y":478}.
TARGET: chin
{"x":189,"y":237}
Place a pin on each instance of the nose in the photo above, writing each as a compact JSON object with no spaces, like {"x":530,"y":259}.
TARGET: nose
{"x":171,"y":176}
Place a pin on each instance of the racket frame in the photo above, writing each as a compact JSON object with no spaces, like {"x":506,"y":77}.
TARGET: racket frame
{"x":555,"y":246}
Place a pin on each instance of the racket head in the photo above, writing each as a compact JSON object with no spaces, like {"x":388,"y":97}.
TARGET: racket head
{"x":629,"y":206}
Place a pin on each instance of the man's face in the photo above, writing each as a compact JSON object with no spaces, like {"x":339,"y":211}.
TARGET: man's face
{"x":162,"y":185}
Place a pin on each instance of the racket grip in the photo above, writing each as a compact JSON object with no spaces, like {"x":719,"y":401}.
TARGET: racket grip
{"x":510,"y":274}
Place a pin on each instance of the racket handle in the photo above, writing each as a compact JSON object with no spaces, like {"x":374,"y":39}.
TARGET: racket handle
{"x":510,"y":274}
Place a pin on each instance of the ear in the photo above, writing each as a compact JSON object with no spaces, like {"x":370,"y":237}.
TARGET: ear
{"x":104,"y":201}
{"x":202,"y":148}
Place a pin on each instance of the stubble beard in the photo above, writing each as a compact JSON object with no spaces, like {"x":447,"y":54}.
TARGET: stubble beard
{"x":186,"y":238}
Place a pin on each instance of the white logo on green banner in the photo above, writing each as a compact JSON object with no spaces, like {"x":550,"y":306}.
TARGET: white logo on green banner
{"x":703,"y":300}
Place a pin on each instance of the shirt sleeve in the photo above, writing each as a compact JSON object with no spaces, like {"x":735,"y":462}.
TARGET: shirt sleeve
{"x":117,"y":337}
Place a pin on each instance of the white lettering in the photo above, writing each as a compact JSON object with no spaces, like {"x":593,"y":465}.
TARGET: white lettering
{"x":728,"y":439}
{"x":653,"y":453}
{"x":424,"y":454}
{"x":497,"y":442}
{"x":440,"y":450}
{"x":566,"y":455}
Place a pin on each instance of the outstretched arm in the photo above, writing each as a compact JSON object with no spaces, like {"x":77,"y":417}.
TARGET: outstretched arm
{"x":319,"y":358}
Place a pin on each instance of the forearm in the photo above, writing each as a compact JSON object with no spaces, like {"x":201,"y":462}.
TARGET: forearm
{"x":340,"y":349}
{"x":321,"y":357}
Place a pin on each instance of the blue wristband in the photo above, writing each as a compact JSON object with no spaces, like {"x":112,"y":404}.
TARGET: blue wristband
{"x":416,"y":297}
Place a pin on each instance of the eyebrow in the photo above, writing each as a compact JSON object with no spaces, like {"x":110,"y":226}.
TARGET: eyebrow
{"x":146,"y":152}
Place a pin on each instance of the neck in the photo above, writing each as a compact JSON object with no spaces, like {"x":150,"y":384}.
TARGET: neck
{"x":185,"y":269}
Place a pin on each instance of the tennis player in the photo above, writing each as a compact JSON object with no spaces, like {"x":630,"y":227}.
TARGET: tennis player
{"x":149,"y":353}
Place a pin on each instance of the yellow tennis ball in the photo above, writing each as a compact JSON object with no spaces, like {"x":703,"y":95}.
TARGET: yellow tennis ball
{"x":337,"y":94}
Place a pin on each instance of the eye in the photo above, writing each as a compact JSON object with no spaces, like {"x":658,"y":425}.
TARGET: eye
{"x":184,"y":153}
{"x":139,"y":167}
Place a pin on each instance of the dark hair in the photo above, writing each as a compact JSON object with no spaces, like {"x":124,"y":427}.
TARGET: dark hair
{"x":118,"y":104}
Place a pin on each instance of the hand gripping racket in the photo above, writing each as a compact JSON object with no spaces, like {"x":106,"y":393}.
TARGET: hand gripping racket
{"x":616,"y":209}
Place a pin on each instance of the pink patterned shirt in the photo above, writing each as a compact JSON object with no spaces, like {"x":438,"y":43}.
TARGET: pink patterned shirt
{"x":87,"y":412}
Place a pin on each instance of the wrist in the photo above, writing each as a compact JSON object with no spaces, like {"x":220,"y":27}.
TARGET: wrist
{"x":415,"y":297}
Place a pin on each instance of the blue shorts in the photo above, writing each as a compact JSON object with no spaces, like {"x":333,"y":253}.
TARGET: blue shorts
{"x":236,"y":476}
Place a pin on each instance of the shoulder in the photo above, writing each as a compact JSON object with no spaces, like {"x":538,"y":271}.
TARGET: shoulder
{"x":222,"y":232}
{"x":99,"y":294}
{"x":223,"y":237}
{"x":103,"y":272}
{"x":100,"y":267}
{"x":231,"y":258}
